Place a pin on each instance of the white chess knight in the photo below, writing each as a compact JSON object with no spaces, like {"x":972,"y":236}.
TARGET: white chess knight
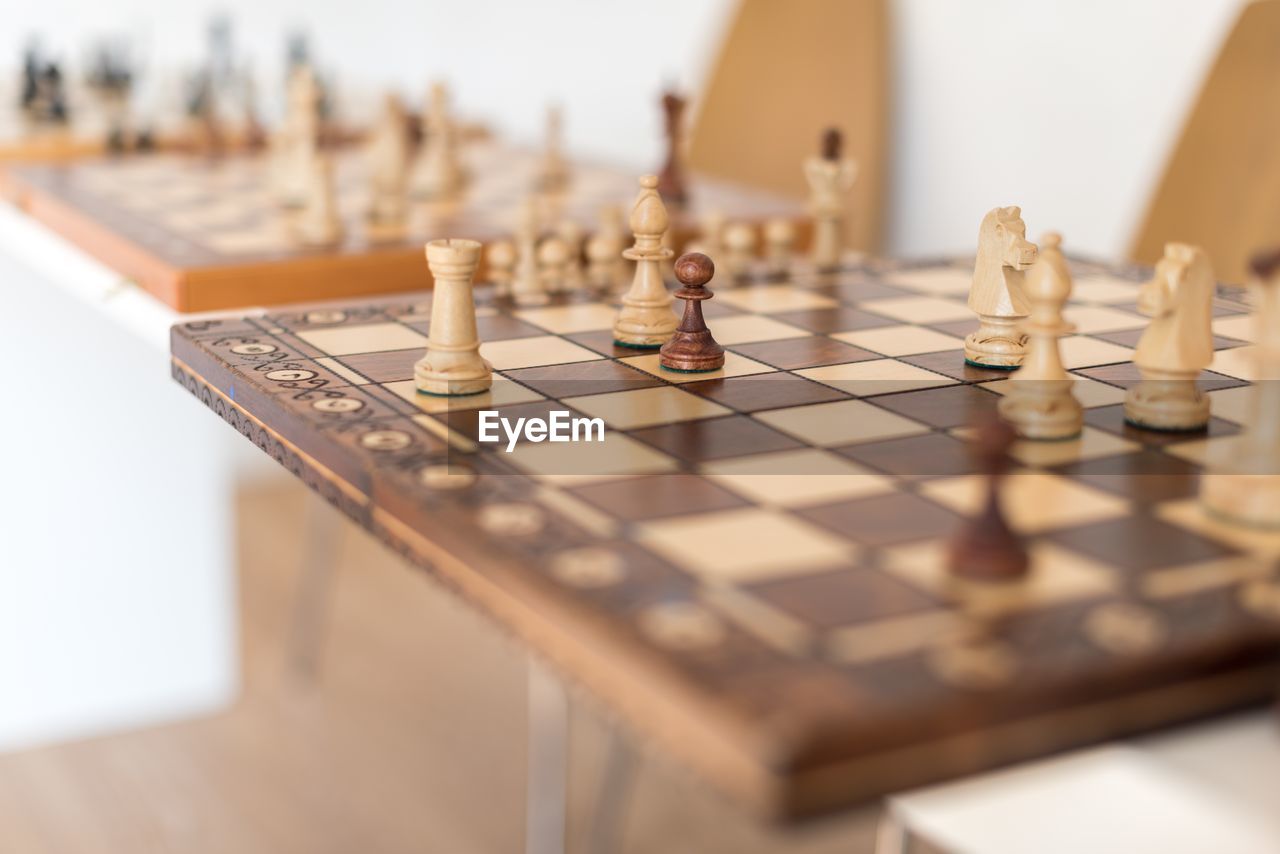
{"x":452,"y":364}
{"x":646,"y":319}
{"x":1039,"y":403}
{"x":830,"y":178}
{"x":996,"y":296}
{"x":1242,"y":482}
{"x":1177,"y":345}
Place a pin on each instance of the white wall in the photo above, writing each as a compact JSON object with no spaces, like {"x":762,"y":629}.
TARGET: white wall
{"x":1066,"y":108}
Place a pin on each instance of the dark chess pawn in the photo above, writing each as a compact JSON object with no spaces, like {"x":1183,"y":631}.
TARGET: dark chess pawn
{"x":986,"y":548}
{"x":691,"y":347}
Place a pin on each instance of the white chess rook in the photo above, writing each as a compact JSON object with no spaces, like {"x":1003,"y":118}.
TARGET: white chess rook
{"x":646,"y":319}
{"x":452,"y":364}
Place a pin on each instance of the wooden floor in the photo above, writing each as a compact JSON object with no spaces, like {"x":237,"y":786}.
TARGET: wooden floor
{"x":411,"y":739}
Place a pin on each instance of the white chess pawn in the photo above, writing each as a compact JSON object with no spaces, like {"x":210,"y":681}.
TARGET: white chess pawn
{"x":740,"y":249}
{"x":1039,"y":403}
{"x":318,"y":224}
{"x":710,"y":240}
{"x":571,"y":233}
{"x":646,"y":320}
{"x":501,"y":258}
{"x":1176,"y":346}
{"x":779,"y":240}
{"x":452,"y":364}
{"x":553,"y":257}
{"x":526,"y":284}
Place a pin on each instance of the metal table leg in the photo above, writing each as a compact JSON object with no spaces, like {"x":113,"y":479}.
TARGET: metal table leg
{"x":322,"y":533}
{"x":547,"y":794}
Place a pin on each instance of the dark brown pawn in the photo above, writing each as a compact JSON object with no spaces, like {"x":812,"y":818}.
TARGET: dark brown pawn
{"x":832,"y":144}
{"x":986,"y":548}
{"x":692,"y":348}
{"x":671,"y":177}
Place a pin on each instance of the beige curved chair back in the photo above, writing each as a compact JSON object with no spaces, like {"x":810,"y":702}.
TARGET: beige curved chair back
{"x":1221,"y":188}
{"x":786,"y":71}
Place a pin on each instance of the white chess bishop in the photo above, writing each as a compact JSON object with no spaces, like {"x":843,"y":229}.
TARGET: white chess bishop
{"x":996,"y":296}
{"x":1040,"y":403}
{"x":646,"y":319}
{"x":1176,"y":346}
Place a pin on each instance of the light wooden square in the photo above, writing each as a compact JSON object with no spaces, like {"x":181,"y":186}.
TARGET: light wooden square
{"x":746,"y":545}
{"x":1241,"y":327}
{"x":1190,"y":514}
{"x":1103,"y":290}
{"x":919,"y":309}
{"x":369,"y":338}
{"x":772,"y":298}
{"x":841,"y":422}
{"x":1238,"y":362}
{"x":1033,"y":501}
{"x":646,"y":407}
{"x":1090,"y":392}
{"x":581,"y":462}
{"x":948,"y":280}
{"x":901,"y":340}
{"x":1081,"y":352}
{"x":1057,"y":575}
{"x":1206,"y":452}
{"x":534,"y":352}
{"x":1089,"y":445}
{"x":796,"y":478}
{"x":567,"y":319}
{"x":734,"y":366}
{"x":876,"y":376}
{"x":503,"y":392}
{"x":1233,"y":404}
{"x":749,"y":328}
{"x":1091,"y":319}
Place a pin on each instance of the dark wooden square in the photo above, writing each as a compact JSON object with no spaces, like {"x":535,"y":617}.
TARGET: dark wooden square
{"x":946,"y":407}
{"x":844,"y":597}
{"x":657,"y":496}
{"x":885,"y":520}
{"x":1130,"y":338}
{"x":914,"y":457}
{"x":792,"y":354}
{"x":764,"y":391}
{"x":1147,"y":476}
{"x":1126,"y":374}
{"x":842,"y":318}
{"x":715,"y":438}
{"x":1111,"y":419}
{"x":1139,"y":543}
{"x":388,"y":366}
{"x":579,"y":378}
{"x":601,"y":341}
{"x":951,"y":363}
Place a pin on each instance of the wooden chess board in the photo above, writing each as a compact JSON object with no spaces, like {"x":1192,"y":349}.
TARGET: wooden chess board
{"x":204,"y":235}
{"x":749,"y":569}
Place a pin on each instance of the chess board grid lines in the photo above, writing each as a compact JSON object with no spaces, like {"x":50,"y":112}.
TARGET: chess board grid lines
{"x":693,"y":725}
